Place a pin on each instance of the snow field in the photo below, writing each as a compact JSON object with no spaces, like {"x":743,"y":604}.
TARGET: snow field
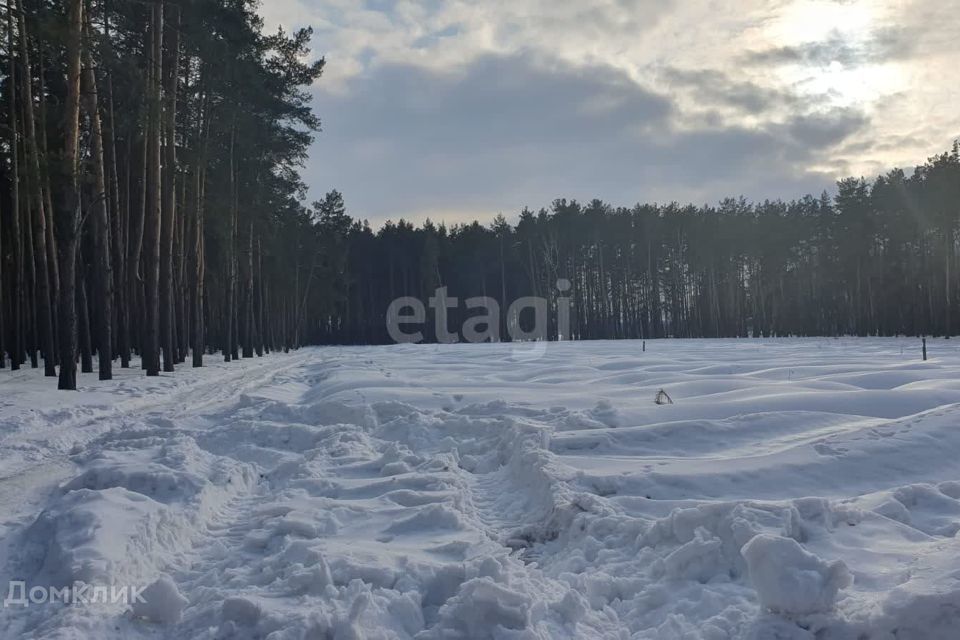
{"x":796,"y":489}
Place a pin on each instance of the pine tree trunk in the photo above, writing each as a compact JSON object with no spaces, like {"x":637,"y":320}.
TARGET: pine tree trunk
{"x":52,"y":253}
{"x":119,"y":214}
{"x":152,"y":215}
{"x":198,"y":275}
{"x":260,"y":327}
{"x":31,"y":340}
{"x":102,"y":268}
{"x":182,"y":288}
{"x":248,"y":301}
{"x":83,"y":321}
{"x":197,"y":239}
{"x":168,"y":212}
{"x":135,"y":252}
{"x":44,"y":304}
{"x":231,"y":269}
{"x":15,"y":318}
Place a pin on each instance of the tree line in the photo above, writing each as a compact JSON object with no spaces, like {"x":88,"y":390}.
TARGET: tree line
{"x":150,"y":196}
{"x":878,"y":258}
{"x":151,"y":205}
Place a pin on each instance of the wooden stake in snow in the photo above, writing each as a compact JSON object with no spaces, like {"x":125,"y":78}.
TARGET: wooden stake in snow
{"x":924,"y":349}
{"x":662,"y":398}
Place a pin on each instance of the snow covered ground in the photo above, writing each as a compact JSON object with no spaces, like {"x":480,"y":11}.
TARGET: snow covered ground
{"x":796,"y":489}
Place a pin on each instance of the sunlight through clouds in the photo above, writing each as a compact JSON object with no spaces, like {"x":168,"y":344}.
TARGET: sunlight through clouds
{"x":851,"y":29}
{"x":812,"y":20}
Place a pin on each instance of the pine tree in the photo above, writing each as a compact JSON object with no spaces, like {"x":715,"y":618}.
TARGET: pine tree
{"x":68,"y":213}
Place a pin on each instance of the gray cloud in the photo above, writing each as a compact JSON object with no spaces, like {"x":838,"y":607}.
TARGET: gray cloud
{"x":885,"y":45}
{"x":511,"y":131}
{"x":821,"y":130}
{"x":713,"y":87}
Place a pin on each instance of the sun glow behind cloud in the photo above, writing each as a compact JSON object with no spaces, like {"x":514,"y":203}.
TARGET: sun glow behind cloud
{"x":852,"y":28}
{"x":813,"y":20}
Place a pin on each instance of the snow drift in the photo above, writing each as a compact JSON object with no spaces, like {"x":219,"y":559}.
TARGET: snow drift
{"x":795,"y":489}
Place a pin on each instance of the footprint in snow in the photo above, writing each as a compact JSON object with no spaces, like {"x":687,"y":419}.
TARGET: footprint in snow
{"x":826,"y":450}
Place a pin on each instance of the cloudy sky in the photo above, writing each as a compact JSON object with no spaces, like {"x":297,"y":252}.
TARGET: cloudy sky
{"x":460,"y":109}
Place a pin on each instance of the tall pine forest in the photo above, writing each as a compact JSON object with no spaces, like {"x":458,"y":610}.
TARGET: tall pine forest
{"x":151,"y":201}
{"x":152,"y":214}
{"x":878,"y":258}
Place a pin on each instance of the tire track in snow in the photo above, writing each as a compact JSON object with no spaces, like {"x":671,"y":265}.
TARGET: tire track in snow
{"x":51,"y":462}
{"x":37,"y":480}
{"x":350,"y":528}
